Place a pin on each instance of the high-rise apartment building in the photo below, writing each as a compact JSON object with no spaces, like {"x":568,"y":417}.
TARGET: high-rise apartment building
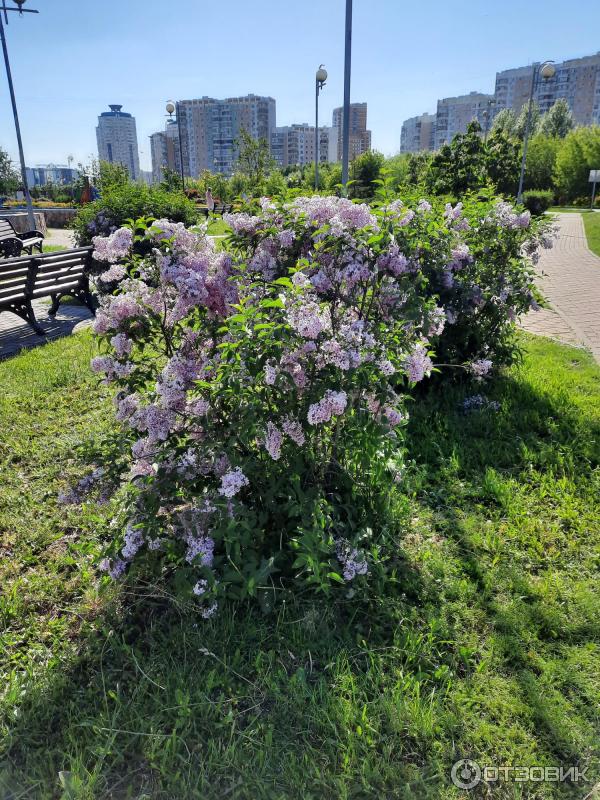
{"x":164,"y":151}
{"x":210,"y":128}
{"x":577,"y":81}
{"x":454,"y":114}
{"x":418,"y":133}
{"x":295,"y":145}
{"x":117,"y":139}
{"x":360,"y":137}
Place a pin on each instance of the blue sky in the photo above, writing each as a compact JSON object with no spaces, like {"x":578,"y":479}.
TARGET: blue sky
{"x":77,"y":56}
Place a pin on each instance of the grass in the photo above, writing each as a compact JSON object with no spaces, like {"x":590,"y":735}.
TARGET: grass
{"x":591,"y":223}
{"x":218,"y":227}
{"x":491,"y":651}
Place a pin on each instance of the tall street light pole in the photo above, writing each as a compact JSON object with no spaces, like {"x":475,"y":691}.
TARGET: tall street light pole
{"x":320,"y":79}
{"x":4,"y":11}
{"x":545,"y":71}
{"x":171,"y":109}
{"x":346,"y":115}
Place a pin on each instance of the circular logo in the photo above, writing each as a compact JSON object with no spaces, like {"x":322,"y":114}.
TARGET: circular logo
{"x":466,"y":773}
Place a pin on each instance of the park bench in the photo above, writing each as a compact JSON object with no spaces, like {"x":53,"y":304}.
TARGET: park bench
{"x":13,"y":243}
{"x":220,"y":208}
{"x":53,"y":275}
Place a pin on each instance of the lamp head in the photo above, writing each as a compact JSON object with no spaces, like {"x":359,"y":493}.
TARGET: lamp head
{"x":547,"y":70}
{"x":20,"y":4}
{"x":321,"y":75}
{"x":170,"y":108}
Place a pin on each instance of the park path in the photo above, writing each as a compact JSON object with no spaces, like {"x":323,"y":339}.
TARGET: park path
{"x":570,"y":281}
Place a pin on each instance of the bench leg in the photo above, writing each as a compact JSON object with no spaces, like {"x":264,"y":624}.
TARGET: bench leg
{"x":25,"y":311}
{"x":55,"y":304}
{"x":86,"y":297}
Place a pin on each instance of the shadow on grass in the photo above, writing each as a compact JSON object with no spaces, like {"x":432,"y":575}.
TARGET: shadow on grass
{"x":316,"y":699}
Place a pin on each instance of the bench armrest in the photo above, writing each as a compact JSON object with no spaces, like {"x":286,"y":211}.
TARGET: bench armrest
{"x":11,"y":247}
{"x":35,"y":234}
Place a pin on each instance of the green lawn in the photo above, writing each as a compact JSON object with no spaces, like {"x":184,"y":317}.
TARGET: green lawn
{"x":218,"y":227}
{"x":591,"y":223}
{"x":490,"y":651}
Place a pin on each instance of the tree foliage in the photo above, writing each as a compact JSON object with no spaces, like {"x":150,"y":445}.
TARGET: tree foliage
{"x":9,"y":177}
{"x":558,"y":121}
{"x":460,"y":166}
{"x":253,"y":157}
{"x":578,"y":154}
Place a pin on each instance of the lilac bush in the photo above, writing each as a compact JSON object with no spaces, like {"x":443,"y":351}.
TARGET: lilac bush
{"x":262,"y":384}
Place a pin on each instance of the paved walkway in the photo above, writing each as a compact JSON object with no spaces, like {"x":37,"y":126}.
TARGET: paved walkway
{"x":570,"y":281}
{"x":15,"y":335}
{"x":61,"y":237}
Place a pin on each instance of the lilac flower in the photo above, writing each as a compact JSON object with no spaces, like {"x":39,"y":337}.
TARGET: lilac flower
{"x":386,"y":367}
{"x":309,"y":320}
{"x":481,"y":367}
{"x":201,"y":547}
{"x":114,"y":274}
{"x":418,"y":364}
{"x":293,"y":429}
{"x":209,"y":611}
{"x":133,"y":541}
{"x":122,"y":345}
{"x":114,"y":247}
{"x":201,"y":587}
{"x":437,"y":321}
{"x":232,"y":482}
{"x":273,"y":440}
{"x":393,"y":416}
{"x":270,"y":374}
{"x":424,"y":207}
{"x":353,"y":562}
{"x":332,"y":404}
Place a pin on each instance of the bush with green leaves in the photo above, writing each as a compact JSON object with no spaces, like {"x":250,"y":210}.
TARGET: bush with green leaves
{"x":537,"y":201}
{"x":120,"y":202}
{"x":262,"y":385}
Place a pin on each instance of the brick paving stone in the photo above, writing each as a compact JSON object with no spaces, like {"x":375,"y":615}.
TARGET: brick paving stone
{"x":570,"y":282}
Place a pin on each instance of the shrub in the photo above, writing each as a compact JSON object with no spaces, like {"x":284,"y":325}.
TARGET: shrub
{"x":488,"y":282}
{"x":537,"y":201}
{"x":262,"y":386}
{"x":128,"y":201}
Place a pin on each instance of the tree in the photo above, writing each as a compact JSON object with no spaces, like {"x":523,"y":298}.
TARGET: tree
{"x":502,"y":163}
{"x":365,"y":169}
{"x":579,"y":153}
{"x":521,"y":123}
{"x":460,"y":166}
{"x":9,"y":177}
{"x":505,"y":123}
{"x":541,"y":160}
{"x":254,"y":158}
{"x":558,"y":121}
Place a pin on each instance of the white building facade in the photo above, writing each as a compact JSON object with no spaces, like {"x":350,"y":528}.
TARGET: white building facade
{"x":116,"y":135}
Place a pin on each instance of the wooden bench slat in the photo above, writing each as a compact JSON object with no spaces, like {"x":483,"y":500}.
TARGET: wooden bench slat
{"x":51,"y":275}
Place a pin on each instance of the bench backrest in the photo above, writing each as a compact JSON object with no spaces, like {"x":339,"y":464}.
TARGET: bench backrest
{"x":41,"y":276}
{"x":58,"y":272}
{"x":6,"y":230}
{"x":16,"y":279}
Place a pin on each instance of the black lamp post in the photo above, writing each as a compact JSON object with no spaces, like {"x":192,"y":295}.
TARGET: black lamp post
{"x":544,"y":72}
{"x":320,"y":79}
{"x":4,"y":9}
{"x":171,"y":109}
